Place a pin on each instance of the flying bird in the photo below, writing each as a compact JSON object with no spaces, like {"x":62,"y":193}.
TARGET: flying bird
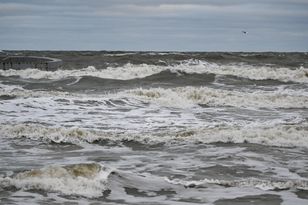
{"x":244,"y":32}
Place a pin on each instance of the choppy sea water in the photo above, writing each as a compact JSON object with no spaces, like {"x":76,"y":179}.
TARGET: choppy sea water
{"x":156,"y":128}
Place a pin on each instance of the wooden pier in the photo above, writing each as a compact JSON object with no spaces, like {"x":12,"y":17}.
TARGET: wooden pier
{"x":24,"y":62}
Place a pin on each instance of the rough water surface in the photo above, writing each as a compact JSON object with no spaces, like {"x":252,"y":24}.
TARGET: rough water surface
{"x":156,"y":128}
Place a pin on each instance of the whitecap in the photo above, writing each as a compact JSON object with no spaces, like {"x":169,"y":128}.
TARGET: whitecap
{"x":88,"y":180}
{"x":271,"y":135}
{"x":250,"y":182}
{"x":190,"y":96}
{"x":131,"y":71}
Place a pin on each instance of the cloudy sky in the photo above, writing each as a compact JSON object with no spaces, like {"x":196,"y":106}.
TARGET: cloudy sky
{"x":161,"y":25}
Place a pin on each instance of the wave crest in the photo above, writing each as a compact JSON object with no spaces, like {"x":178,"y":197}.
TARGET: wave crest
{"x":189,"y":96}
{"x":131,"y":71}
{"x":279,"y":135}
{"x":256,"y":183}
{"x":89,"y":180}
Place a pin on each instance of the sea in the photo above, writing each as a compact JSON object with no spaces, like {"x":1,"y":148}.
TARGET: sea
{"x":156,"y":128}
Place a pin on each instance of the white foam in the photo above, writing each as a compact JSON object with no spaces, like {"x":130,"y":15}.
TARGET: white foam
{"x":18,"y":91}
{"x":126,"y":72}
{"x":251,"y":182}
{"x":190,"y":96}
{"x":182,"y":97}
{"x":252,"y":72}
{"x":130,"y":71}
{"x":119,"y":54}
{"x":279,"y":135}
{"x":89,"y":180}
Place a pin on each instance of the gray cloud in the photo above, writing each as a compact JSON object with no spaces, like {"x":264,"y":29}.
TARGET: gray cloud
{"x":154,"y":25}
{"x":154,"y":8}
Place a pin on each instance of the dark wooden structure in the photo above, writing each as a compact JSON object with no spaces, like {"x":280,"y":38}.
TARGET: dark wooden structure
{"x":23,"y":62}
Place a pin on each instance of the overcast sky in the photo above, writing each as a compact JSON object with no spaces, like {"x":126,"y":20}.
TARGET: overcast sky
{"x":160,"y":25}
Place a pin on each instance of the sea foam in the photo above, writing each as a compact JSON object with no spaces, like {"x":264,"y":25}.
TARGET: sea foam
{"x":131,"y":71}
{"x":251,"y":182}
{"x":189,"y":96}
{"x":88,"y":180}
{"x":279,"y":135}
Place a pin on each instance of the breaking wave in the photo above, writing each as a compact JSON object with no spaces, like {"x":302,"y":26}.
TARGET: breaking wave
{"x":188,"y":96}
{"x":131,"y":71}
{"x":126,"y":72}
{"x":88,"y":180}
{"x":256,"y":183}
{"x":182,"y":97}
{"x":278,"y":135}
